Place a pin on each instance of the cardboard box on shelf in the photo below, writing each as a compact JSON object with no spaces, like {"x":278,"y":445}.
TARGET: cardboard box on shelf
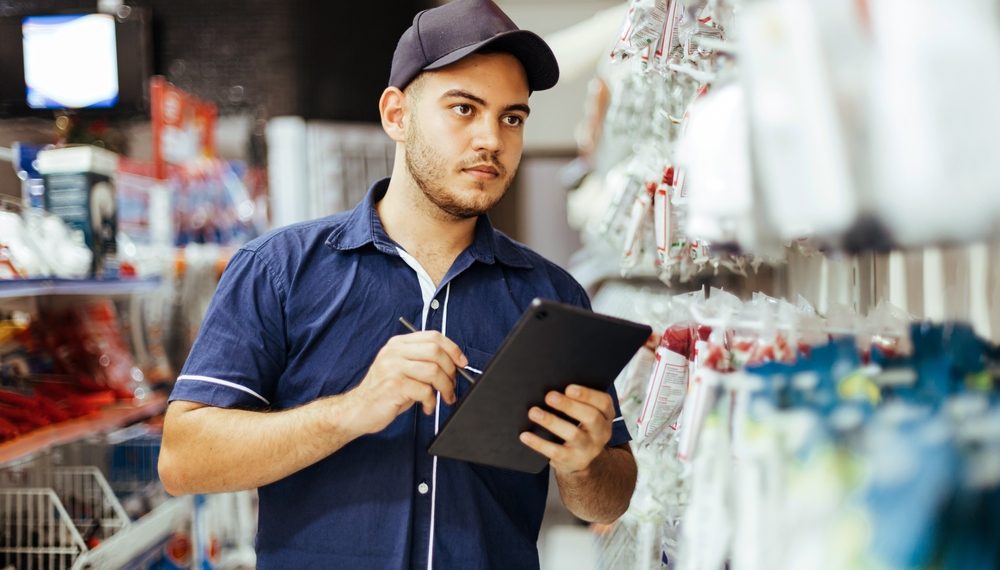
{"x":80,"y":189}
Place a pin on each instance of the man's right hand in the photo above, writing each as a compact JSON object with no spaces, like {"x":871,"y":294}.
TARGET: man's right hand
{"x":406,"y":371}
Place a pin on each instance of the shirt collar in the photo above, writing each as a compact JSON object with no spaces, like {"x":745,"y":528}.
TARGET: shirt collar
{"x":363,"y":226}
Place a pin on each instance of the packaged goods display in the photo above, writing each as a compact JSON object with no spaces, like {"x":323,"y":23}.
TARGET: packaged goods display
{"x":794,"y":439}
{"x":746,"y":128}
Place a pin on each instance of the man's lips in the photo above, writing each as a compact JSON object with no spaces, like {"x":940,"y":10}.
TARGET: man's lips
{"x":482,"y":172}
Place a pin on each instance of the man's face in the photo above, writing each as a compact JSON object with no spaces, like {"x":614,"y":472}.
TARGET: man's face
{"x":465,"y":132}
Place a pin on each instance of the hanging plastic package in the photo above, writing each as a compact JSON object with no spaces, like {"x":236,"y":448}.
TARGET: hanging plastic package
{"x":619,"y":188}
{"x":912,"y":471}
{"x":934,"y":118}
{"x":668,"y":382}
{"x":756,"y":492}
{"x":668,"y":35}
{"x":668,"y":379}
{"x":715,"y":154}
{"x":631,"y":384}
{"x":662,"y":212}
{"x":799,"y":146}
{"x":625,"y":185}
{"x":635,"y":230}
{"x":617,"y":184}
{"x":641,"y":29}
{"x":708,"y":360}
{"x":707,"y":528}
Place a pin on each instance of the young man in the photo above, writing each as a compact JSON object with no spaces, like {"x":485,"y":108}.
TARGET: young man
{"x":303,"y":383}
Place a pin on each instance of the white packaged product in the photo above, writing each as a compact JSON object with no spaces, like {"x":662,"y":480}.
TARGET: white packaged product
{"x":715,"y":154}
{"x":662,"y":227}
{"x":799,"y":146}
{"x":635,"y":229}
{"x":934,"y":118}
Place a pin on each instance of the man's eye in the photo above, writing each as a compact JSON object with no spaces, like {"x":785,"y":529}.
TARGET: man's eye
{"x":513,"y":120}
{"x":463,"y":110}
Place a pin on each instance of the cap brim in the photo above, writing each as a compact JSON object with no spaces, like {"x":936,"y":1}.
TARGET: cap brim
{"x":534,"y":54}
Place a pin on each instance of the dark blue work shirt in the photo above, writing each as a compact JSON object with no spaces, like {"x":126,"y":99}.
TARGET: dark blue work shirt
{"x":300,"y":314}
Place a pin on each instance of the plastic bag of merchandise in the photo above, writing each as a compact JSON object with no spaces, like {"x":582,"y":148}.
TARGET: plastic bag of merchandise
{"x":18,"y":258}
{"x":710,"y":358}
{"x":641,"y":29}
{"x":668,"y":380}
{"x":770,"y":331}
{"x":664,"y":223}
{"x":887,"y":330}
{"x":707,"y":528}
{"x":933,"y":118}
{"x":801,"y":157}
{"x":640,"y":304}
{"x":636,"y":229}
{"x":631,"y":383}
{"x":714,"y":151}
{"x":623,"y":185}
{"x":753,"y":334}
{"x":61,"y":248}
{"x":617,"y":189}
{"x":39,"y":244}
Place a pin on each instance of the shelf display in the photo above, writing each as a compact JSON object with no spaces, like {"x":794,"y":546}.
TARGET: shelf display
{"x":106,"y":267}
{"x":67,"y":363}
{"x":775,"y":432}
{"x":107,"y":507}
{"x":748,"y":127}
{"x":768,"y":436}
{"x":90,"y":357}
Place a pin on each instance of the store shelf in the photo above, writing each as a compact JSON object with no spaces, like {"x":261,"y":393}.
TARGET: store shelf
{"x":97,"y":287}
{"x":140,"y":537}
{"x":109,"y":419}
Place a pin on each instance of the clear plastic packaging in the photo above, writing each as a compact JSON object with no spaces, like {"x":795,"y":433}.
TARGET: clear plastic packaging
{"x":668,"y":382}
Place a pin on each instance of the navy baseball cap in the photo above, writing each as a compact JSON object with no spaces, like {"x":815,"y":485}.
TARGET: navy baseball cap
{"x":445,"y":34}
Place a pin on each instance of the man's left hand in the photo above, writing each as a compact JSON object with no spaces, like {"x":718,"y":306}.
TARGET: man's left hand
{"x":585,"y":441}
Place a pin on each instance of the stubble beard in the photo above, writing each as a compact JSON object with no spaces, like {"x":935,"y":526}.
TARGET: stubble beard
{"x":428,"y":168}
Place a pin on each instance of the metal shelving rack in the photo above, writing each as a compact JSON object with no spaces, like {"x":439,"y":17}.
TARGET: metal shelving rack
{"x":46,"y":511}
{"x":19,"y":288}
{"x":110,"y":418}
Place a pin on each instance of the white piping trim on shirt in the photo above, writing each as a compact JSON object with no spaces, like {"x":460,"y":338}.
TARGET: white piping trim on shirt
{"x":225,"y":383}
{"x":618,"y":419}
{"x":437,"y":427}
{"x":427,"y":286}
{"x":427,"y":290}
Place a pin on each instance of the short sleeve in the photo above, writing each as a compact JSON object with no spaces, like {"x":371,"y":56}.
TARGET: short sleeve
{"x":239,"y":352}
{"x":619,"y":432}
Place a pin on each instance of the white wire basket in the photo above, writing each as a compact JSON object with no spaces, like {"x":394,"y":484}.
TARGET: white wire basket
{"x":90,"y":502}
{"x":51,"y":526}
{"x":36,"y":532}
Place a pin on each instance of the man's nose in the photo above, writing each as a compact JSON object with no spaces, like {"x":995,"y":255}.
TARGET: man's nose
{"x":487,"y":136}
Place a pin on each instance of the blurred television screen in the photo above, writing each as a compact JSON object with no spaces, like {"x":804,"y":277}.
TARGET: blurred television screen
{"x":70,"y":61}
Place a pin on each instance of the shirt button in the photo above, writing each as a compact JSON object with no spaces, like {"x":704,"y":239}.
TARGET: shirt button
{"x":423,"y":488}
{"x":435,"y":304}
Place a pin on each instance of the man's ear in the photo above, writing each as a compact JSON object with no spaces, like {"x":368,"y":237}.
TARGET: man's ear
{"x":392,"y":109}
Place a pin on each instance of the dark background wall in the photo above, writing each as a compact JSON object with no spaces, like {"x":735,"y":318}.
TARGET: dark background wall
{"x":317,"y":59}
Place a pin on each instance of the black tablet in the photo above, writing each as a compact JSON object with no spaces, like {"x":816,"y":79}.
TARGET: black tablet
{"x":552,"y":346}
